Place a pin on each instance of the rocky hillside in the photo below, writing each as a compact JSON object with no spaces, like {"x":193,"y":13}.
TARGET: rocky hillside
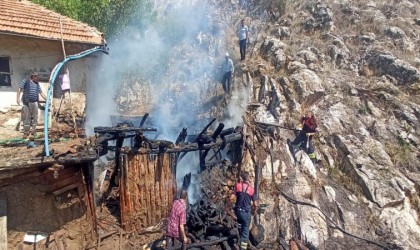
{"x":355,"y":64}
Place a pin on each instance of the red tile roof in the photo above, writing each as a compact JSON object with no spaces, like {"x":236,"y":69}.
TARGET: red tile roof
{"x":29,"y":19}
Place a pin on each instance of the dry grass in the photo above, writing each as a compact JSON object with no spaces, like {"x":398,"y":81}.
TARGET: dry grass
{"x":415,"y":201}
{"x":337,"y":174}
{"x":374,"y":220}
{"x":403,"y":155}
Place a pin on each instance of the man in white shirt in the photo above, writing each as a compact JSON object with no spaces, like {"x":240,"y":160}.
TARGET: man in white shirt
{"x":243,"y":38}
{"x":228,"y":70}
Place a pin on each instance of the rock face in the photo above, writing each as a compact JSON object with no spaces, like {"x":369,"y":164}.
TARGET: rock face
{"x":386,"y":64}
{"x":371,"y":167}
{"x":356,"y":66}
{"x":272,"y":50}
{"x":308,"y":86}
{"x":401,"y":221}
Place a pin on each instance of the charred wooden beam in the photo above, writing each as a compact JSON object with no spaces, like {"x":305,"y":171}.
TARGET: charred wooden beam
{"x":118,"y":146}
{"x":274,"y":125}
{"x":222,"y":136}
{"x":195,"y":146}
{"x":186,"y":181}
{"x":209,"y":242}
{"x":181,"y":137}
{"x":229,"y":131}
{"x":203,"y":155}
{"x":117,"y":130}
{"x":187,"y":147}
{"x":218,"y":131}
{"x":143,"y":120}
{"x":197,"y":138}
{"x":77,"y":159}
{"x":105,"y":138}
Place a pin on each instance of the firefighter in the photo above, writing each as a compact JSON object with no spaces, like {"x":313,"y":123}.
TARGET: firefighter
{"x":305,"y":136}
{"x":244,"y":194}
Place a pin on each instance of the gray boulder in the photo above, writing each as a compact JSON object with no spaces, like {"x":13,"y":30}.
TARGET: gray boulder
{"x":367,"y":163}
{"x":308,"y":86}
{"x":400,"y":221}
{"x":382,"y":63}
{"x":394,"y":32}
{"x":321,"y":17}
{"x":272,"y":51}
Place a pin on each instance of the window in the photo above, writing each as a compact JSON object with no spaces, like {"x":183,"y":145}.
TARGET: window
{"x":5,"y":79}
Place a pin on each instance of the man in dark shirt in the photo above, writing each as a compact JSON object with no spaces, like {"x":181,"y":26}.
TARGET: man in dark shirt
{"x":244,"y":194}
{"x":31,"y":90}
{"x":305,"y":136}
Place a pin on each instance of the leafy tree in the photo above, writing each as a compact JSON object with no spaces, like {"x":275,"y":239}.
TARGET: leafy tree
{"x":112,"y":17}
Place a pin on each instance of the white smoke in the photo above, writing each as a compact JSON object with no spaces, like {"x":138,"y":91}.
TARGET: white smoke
{"x":175,"y":57}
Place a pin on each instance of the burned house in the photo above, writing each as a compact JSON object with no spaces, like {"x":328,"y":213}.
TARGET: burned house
{"x":42,"y":195}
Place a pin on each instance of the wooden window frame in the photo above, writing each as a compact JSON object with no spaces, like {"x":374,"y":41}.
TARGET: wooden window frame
{"x":6,"y":76}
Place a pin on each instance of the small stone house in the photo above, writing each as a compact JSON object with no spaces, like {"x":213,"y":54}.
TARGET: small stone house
{"x":33,"y":38}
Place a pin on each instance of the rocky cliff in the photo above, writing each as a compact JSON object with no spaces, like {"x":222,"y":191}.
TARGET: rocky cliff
{"x":355,"y":65}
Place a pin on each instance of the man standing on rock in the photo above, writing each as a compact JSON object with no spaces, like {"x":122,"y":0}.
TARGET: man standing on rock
{"x":175,"y":231}
{"x":305,"y":136}
{"x":243,"y":38}
{"x":31,"y":90}
{"x":228,"y":70}
{"x":244,"y":194}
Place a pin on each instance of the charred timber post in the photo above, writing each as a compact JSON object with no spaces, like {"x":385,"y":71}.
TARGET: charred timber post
{"x":143,"y":120}
{"x":257,"y":189}
{"x":118,"y":145}
{"x":197,"y":138}
{"x":181,"y":137}
{"x":203,"y":154}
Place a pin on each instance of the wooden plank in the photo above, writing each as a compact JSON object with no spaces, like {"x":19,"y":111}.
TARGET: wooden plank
{"x":3,"y":222}
{"x":163,"y":188}
{"x":142,"y":182}
{"x":66,"y":188}
{"x":127,"y":173}
{"x":48,"y":176}
{"x":121,"y":183}
{"x":147,"y":186}
{"x":59,"y":183}
{"x":136,"y":186}
{"x":157,"y":202}
{"x":153,"y":192}
{"x":167,"y":183}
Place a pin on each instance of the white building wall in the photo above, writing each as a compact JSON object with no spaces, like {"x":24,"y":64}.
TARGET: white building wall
{"x":29,"y":54}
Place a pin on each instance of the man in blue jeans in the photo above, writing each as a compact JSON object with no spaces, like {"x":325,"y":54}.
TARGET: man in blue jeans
{"x":228,"y":70}
{"x":31,"y":91}
{"x":244,"y":194}
{"x":243,"y":34}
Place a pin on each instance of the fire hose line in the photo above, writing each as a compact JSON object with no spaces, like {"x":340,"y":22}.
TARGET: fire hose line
{"x":291,"y":200}
{"x":53,"y":76}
